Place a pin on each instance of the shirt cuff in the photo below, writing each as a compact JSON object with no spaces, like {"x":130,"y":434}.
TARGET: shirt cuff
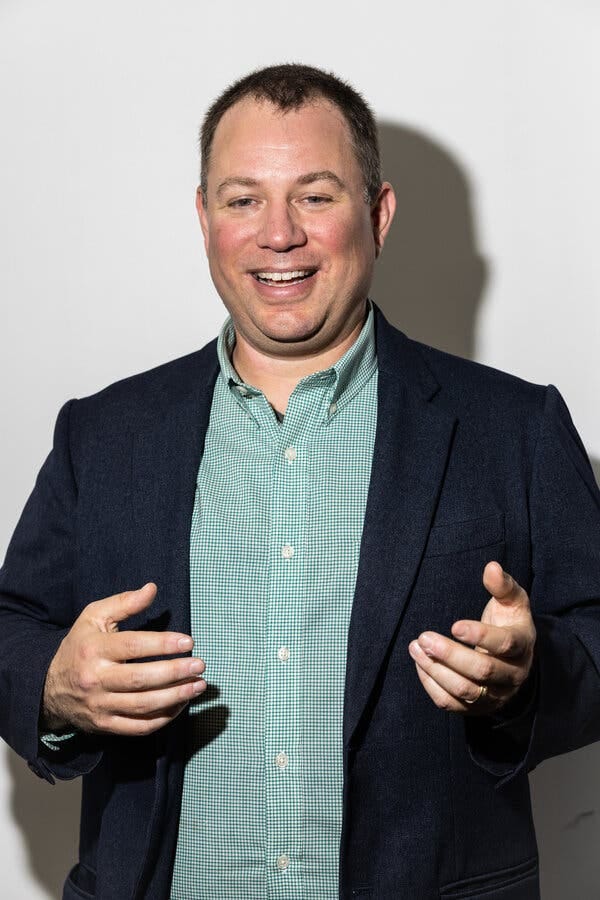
{"x":53,"y":741}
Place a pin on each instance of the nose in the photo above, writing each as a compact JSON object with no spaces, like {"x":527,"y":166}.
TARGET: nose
{"x":280,"y":228}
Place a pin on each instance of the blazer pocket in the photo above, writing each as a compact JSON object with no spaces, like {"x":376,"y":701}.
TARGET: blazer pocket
{"x":518,"y":882}
{"x":457,"y":537}
{"x":80,"y":884}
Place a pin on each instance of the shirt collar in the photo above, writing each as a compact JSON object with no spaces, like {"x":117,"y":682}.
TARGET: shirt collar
{"x":347,"y":376}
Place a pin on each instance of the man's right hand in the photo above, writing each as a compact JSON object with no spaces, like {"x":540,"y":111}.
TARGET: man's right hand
{"x":89,"y":687}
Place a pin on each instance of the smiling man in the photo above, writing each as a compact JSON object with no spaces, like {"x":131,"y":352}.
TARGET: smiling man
{"x":290,"y":236}
{"x":384,"y":561}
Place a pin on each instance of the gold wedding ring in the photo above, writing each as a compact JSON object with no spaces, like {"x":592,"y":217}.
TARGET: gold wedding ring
{"x":482,"y":693}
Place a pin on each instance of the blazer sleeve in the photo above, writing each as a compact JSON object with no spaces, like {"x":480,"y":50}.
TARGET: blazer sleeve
{"x":562,"y":711}
{"x":36,"y":611}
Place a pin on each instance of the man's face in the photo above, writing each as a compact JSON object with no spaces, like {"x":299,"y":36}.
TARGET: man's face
{"x":290,"y":240}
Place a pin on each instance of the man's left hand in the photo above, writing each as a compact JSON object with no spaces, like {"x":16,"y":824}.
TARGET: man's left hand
{"x":485,"y":667}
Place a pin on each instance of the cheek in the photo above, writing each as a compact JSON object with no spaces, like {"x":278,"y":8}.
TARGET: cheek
{"x":225,"y":245}
{"x":346,"y":240}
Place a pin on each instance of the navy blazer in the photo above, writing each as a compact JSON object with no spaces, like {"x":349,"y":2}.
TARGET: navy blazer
{"x":469,"y":465}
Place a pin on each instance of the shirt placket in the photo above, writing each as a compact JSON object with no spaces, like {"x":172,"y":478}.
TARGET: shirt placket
{"x":285,"y":664}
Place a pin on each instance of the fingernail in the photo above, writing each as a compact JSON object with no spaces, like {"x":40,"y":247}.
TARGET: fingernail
{"x":199,"y":686}
{"x":196,"y":667}
{"x":426,"y":643}
{"x":413,"y":648}
{"x":459,"y":632}
{"x":185,"y":643}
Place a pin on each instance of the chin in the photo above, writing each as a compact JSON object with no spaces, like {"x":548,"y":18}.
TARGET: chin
{"x":290,"y":329}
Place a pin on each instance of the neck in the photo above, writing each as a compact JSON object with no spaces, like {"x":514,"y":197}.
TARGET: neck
{"x":277,"y":376}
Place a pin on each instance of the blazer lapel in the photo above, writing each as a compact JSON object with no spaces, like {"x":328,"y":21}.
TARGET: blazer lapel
{"x":167,"y":453}
{"x":412,"y":443}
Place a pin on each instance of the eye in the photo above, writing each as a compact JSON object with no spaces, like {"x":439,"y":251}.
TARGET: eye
{"x":316,"y":199}
{"x":240,"y":202}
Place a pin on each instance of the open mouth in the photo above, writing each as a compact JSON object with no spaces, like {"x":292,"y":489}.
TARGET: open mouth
{"x":284,"y":278}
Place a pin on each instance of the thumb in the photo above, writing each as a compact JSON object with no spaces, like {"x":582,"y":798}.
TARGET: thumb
{"x":502,"y":586}
{"x":108,"y":612}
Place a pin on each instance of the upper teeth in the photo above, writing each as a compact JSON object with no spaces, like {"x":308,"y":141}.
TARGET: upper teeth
{"x":284,"y":276}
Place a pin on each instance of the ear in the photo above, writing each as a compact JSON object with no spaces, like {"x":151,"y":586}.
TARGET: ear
{"x":382,"y":213}
{"x":202,"y":215}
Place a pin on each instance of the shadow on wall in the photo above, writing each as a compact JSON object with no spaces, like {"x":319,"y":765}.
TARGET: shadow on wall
{"x":430,"y":277}
{"x":48,"y":818}
{"x":429,"y":283}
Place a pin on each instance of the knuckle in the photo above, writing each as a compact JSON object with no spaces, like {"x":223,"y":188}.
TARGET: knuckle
{"x":516,"y":679}
{"x":146,"y":726}
{"x":445,"y":703}
{"x":484,"y":669}
{"x":139,"y":707}
{"x":96,"y":711}
{"x":188,"y":690}
{"x":183,"y":693}
{"x":131,"y":646}
{"x":507,"y":645}
{"x":465,"y":692}
{"x":105,"y":722}
{"x":86,"y":651}
{"x":87,"y":680}
{"x":137,"y":681}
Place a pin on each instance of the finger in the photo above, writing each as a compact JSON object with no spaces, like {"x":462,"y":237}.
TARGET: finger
{"x":509,"y":642}
{"x":138,"y":727}
{"x":124,"y":645}
{"x":440,"y":697}
{"x":150,"y":675}
{"x":483,"y":668}
{"x":152,"y":703}
{"x":461,"y":685}
{"x":503,"y":586}
{"x":108,"y":612}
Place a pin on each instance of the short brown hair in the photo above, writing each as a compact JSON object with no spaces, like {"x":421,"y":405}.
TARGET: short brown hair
{"x":290,"y":86}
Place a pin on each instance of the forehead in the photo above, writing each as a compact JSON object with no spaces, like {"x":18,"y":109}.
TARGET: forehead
{"x":256,"y":137}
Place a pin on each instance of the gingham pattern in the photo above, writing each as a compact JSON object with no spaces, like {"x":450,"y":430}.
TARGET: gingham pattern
{"x":275,"y":542}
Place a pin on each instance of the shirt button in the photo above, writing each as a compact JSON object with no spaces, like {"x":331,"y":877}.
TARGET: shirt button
{"x":241,"y":389}
{"x":283,"y":862}
{"x":332,"y":409}
{"x":287,"y":552}
{"x":290,"y":454}
{"x":281,"y":760}
{"x":283,"y":653}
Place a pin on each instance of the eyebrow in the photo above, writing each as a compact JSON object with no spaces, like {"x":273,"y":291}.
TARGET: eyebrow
{"x":324,"y":175}
{"x":236,"y":181}
{"x":309,"y":178}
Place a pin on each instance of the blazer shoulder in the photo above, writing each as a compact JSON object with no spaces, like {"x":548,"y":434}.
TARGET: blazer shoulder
{"x":163,"y":382}
{"x":456,"y":374}
{"x":129,"y":403}
{"x":456,"y":383}
{"x":498,"y":412}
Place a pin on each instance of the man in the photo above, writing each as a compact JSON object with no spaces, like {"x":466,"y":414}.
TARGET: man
{"x":350,"y":528}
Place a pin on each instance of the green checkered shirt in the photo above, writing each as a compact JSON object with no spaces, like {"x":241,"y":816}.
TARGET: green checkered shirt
{"x":275,"y":540}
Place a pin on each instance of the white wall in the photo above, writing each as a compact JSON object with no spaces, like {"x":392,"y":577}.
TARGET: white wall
{"x":490,"y":128}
